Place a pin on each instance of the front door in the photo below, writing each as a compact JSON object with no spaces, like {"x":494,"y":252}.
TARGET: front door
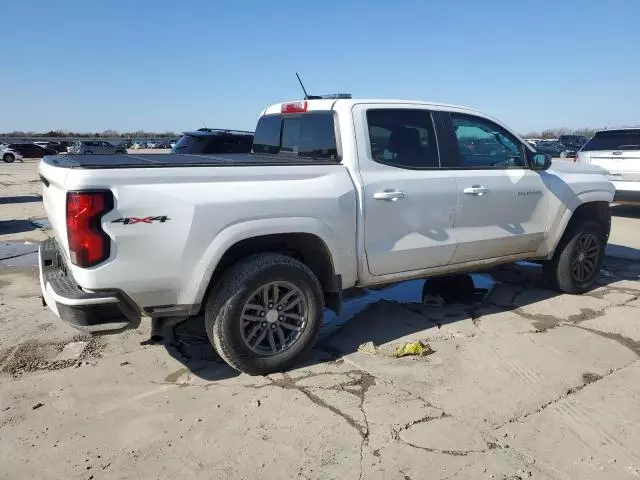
{"x":503,"y":204}
{"x":409,"y":202}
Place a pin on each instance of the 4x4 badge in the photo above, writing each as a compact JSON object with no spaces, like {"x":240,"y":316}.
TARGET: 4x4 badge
{"x":132,"y":220}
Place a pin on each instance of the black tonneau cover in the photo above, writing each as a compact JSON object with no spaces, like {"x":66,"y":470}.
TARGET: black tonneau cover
{"x":167,"y":160}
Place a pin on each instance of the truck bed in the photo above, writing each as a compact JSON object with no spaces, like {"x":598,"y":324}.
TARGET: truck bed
{"x":167,"y":160}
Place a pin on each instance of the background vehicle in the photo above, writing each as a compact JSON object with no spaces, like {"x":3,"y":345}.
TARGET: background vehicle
{"x":96,"y":147}
{"x":573,"y":142}
{"x":61,"y":146}
{"x":618,"y":152}
{"x":555,"y":149}
{"x":153,"y":144}
{"x":207,"y":140}
{"x":337,"y":194}
{"x":8,"y":155}
{"x":31,"y":150}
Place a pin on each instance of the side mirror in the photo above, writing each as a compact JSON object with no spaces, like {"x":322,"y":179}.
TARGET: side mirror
{"x":541,"y":161}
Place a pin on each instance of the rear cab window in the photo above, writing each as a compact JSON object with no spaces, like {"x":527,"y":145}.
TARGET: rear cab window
{"x":402,"y":138}
{"x":614,"y":140}
{"x":303,"y":135}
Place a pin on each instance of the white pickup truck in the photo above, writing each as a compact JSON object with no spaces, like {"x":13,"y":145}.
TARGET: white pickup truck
{"x":335,"y":194}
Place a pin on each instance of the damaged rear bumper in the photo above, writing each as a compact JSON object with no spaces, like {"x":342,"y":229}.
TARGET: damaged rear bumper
{"x":85,"y":310}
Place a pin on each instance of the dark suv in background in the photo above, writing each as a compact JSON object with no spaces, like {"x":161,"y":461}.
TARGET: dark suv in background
{"x":210,"y":140}
{"x":573,"y":142}
{"x":31,"y":150}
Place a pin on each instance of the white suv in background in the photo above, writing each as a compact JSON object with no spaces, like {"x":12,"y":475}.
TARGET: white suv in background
{"x":617,"y":151}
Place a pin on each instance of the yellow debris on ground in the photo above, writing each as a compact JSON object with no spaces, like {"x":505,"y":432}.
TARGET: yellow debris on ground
{"x":413,"y":348}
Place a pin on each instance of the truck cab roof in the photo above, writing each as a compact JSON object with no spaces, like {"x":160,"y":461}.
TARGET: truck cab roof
{"x":333,"y":104}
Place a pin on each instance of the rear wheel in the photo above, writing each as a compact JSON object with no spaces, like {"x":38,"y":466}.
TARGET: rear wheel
{"x":575,"y":266}
{"x":9,"y":158}
{"x":265,"y":313}
{"x":88,"y":152}
{"x":119,"y":152}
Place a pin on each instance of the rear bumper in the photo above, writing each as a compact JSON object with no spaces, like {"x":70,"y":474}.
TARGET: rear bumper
{"x":86,"y":311}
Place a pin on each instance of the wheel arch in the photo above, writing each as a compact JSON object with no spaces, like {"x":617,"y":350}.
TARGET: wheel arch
{"x":597,"y":209}
{"x":306,"y":239}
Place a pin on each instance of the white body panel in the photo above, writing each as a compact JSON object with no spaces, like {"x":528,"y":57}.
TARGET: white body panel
{"x":509,"y":219}
{"x":434,"y":228}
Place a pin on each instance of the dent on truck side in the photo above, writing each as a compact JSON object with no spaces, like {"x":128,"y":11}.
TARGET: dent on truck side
{"x":567,"y":193}
{"x":342,"y":253}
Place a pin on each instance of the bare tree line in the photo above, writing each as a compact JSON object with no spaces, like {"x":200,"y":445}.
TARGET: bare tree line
{"x":105,"y":134}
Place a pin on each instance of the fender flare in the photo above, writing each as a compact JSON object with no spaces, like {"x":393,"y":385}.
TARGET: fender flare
{"x":196,"y":286}
{"x":571,"y":204}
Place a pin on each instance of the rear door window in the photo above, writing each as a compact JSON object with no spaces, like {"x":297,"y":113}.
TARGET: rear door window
{"x":309,"y":135}
{"x":613,"y":141}
{"x":402,"y":138}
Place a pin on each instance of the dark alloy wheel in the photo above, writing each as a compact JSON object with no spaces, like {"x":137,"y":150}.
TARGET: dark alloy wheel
{"x":273,"y":318}
{"x":585,"y":257}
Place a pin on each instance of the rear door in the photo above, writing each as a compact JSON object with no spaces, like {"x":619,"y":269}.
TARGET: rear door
{"x":409,"y":203}
{"x":503,"y":205}
{"x":617,"y":151}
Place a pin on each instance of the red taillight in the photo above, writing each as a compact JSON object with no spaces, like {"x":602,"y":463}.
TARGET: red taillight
{"x":88,"y":243}
{"x":296,"y":107}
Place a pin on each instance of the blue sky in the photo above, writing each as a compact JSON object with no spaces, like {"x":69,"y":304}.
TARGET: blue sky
{"x":160,"y":65}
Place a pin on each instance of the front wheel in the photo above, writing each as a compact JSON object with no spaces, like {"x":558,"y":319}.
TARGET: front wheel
{"x":265,"y":313}
{"x":575,"y":266}
{"x":9,"y":158}
{"x":563,"y":154}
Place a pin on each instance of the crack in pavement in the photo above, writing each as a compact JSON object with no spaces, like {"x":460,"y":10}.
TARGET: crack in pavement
{"x":364,"y":382}
{"x":627,"y":342}
{"x":425,"y":419}
{"x":490,"y":444}
{"x":587,"y":379}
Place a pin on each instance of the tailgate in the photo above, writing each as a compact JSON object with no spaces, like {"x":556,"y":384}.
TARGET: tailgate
{"x":623,"y":165}
{"x":54,"y":196}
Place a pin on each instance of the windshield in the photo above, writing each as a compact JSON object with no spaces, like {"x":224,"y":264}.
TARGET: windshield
{"x":191,"y":144}
{"x":614,"y":141}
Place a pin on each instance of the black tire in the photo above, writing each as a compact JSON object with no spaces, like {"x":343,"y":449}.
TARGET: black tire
{"x":88,"y":152}
{"x":119,"y":152}
{"x":558,"y":271}
{"x":237,"y":286}
{"x":9,"y":158}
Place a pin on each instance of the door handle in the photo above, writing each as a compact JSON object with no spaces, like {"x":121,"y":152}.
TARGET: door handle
{"x":389,"y":195}
{"x":477,"y":190}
